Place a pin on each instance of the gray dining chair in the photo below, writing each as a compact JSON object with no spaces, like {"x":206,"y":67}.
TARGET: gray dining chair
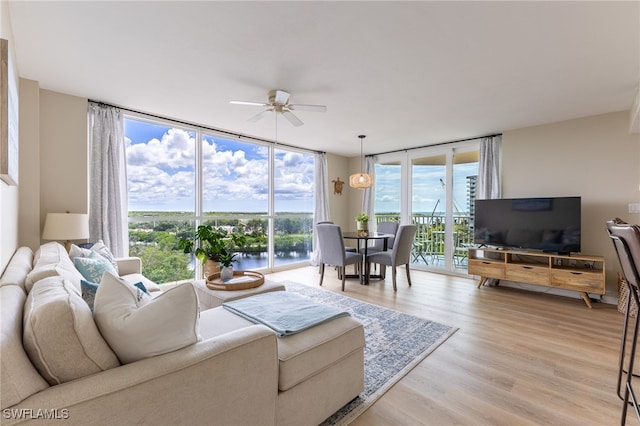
{"x":400,"y":254}
{"x":332,"y":251}
{"x":384,"y":228}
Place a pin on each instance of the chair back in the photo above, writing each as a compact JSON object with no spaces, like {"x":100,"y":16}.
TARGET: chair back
{"x":331,"y":244}
{"x":401,"y":251}
{"x":386,"y":228}
{"x":626,"y":240}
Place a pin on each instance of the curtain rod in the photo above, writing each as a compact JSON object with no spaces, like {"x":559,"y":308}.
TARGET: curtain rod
{"x":435,"y":144}
{"x":186,"y":123}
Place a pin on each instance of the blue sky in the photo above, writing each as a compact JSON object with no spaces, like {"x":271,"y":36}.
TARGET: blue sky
{"x":160,"y":170}
{"x":428,"y":192}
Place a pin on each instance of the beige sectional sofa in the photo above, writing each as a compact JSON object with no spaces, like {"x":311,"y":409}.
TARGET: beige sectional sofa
{"x":58,"y":368}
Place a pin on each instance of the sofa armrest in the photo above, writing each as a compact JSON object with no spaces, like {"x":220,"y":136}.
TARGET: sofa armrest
{"x":229,"y":379}
{"x":129,"y":265}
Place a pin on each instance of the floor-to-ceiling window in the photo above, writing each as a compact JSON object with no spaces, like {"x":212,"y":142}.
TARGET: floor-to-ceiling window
{"x":181,"y":176}
{"x":433,"y":188}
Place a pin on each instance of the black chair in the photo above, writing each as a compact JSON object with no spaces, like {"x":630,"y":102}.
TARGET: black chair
{"x":332,"y":251}
{"x":626,"y":240}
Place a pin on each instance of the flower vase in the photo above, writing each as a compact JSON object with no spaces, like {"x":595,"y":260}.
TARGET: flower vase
{"x":226,"y":273}
{"x":362,"y":228}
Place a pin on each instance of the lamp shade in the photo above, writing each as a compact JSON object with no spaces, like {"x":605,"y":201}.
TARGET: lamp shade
{"x":66,"y":226}
{"x":360,"y":180}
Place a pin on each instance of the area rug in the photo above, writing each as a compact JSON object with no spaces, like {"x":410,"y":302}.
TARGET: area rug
{"x":395,"y":343}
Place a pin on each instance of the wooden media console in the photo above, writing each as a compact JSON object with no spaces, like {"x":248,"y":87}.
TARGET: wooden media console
{"x":581,"y":273}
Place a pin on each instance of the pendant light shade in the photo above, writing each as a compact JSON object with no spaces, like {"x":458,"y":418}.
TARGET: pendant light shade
{"x":361,"y":180}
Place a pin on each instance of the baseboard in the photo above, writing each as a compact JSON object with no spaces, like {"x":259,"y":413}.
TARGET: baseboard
{"x":610,"y":299}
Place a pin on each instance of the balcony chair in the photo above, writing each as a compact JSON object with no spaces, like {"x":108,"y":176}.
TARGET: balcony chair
{"x":626,"y":240}
{"x":332,"y":251}
{"x":400,"y":254}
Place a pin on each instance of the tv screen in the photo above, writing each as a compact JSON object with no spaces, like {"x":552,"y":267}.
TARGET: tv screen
{"x":547,"y":224}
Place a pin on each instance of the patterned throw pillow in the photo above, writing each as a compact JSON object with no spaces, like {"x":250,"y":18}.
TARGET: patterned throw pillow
{"x":93,"y":267}
{"x":89,"y":292}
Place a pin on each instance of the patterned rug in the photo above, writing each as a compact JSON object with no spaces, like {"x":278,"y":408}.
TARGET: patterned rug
{"x":395,"y":343}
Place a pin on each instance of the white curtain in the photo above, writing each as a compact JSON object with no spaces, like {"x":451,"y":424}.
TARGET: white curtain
{"x":321,"y":207}
{"x":108,"y":179}
{"x":368,"y":198}
{"x":489,"y":169}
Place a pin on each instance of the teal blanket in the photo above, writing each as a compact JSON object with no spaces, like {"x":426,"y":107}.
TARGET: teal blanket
{"x":285,"y":313}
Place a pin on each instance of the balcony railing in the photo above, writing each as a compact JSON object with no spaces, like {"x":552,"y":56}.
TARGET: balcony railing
{"x":428,"y":245}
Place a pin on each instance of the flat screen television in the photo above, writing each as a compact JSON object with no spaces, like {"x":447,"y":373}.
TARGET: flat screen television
{"x":549,"y":224}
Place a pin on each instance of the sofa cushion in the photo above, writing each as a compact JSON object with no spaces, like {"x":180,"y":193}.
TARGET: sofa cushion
{"x":50,"y":260}
{"x":138,"y":326}
{"x":305,"y":354}
{"x":18,"y":377}
{"x":93,"y":266}
{"x":60,"y":335}
{"x":302,"y":355}
{"x":18,"y":268}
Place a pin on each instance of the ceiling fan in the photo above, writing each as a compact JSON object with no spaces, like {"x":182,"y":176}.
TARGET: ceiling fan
{"x":279,"y":103}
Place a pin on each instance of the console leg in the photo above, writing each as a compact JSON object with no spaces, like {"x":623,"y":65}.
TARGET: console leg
{"x":586,"y":299}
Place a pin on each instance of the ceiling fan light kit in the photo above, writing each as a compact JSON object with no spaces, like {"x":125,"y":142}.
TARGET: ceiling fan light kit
{"x":279,"y":103}
{"x":361,"y":180}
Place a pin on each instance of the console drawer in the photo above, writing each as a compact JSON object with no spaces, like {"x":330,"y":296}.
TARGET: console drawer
{"x":527,"y":274}
{"x":583,"y":281}
{"x":486,"y":268}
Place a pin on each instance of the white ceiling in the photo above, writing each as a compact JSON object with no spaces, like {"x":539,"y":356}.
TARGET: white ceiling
{"x":406,"y":74}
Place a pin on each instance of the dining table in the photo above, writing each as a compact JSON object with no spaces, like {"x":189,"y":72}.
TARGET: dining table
{"x":362,"y":246}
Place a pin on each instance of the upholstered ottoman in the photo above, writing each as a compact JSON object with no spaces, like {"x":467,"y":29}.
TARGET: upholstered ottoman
{"x":320,"y":368}
{"x":213,"y":298}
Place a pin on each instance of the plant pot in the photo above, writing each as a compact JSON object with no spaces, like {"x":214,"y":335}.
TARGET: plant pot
{"x":211,"y":267}
{"x":226,"y":273}
{"x":362,"y":228}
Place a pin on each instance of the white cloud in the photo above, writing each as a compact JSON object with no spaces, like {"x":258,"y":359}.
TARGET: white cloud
{"x":161,"y":174}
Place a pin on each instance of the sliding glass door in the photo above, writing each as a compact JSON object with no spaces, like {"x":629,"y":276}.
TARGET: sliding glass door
{"x":433,"y":188}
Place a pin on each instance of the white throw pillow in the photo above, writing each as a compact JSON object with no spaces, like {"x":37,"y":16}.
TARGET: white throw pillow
{"x":137,"y":326}
{"x":104,"y":251}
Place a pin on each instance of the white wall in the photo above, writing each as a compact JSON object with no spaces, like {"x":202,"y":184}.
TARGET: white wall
{"x":29,"y":199}
{"x":8,"y":194}
{"x":64,"y":178}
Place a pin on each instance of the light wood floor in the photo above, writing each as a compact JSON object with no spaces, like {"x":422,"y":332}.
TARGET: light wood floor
{"x":518,"y":358}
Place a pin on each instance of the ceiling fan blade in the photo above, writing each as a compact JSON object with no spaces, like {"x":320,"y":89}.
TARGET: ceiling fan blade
{"x":259,"y":115}
{"x":302,"y":107}
{"x":248,"y":103}
{"x":281,"y":97}
{"x":292,"y":118}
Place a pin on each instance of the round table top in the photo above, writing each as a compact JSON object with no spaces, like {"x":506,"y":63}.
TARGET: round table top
{"x":370,"y":236}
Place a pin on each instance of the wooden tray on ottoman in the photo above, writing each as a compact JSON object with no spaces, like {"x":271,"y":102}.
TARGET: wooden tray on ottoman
{"x":242,"y":280}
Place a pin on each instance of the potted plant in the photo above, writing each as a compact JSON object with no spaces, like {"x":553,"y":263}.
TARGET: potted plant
{"x":362,"y":223}
{"x":209,"y":245}
{"x":226,"y":265}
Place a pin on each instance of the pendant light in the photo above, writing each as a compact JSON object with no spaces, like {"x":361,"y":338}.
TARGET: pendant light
{"x":360,"y":180}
